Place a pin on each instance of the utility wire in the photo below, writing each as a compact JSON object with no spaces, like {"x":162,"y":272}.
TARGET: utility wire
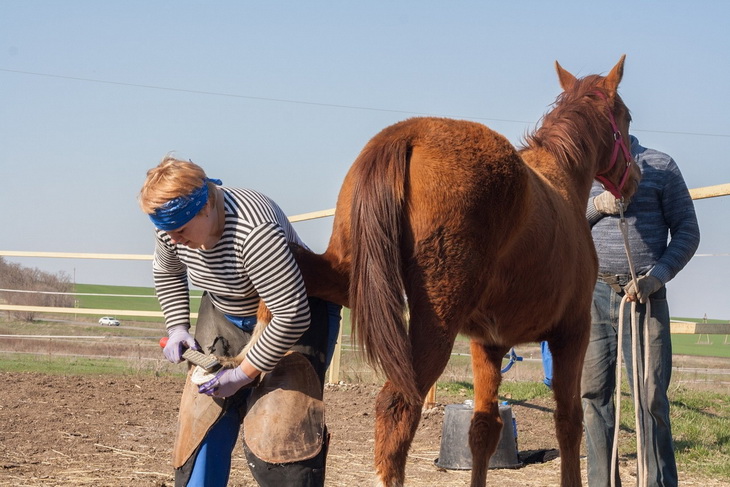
{"x":310,"y":103}
{"x":235,"y":95}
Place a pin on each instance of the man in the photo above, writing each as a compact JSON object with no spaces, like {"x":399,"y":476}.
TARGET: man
{"x":661,"y":208}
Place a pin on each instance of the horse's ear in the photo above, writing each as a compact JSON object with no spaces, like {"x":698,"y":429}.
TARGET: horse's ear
{"x":614,"y":77}
{"x":567,"y":80}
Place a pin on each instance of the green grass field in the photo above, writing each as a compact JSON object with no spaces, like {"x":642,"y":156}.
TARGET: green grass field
{"x":701,"y":345}
{"x":67,"y":365}
{"x":116,"y":297}
{"x":125,"y":298}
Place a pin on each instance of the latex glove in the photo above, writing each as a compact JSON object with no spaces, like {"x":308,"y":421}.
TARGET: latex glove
{"x":225,"y":383}
{"x":607,"y":203}
{"x":179,"y":337}
{"x":645,"y":287}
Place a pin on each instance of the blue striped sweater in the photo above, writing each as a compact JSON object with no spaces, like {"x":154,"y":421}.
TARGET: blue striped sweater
{"x":662,"y":225}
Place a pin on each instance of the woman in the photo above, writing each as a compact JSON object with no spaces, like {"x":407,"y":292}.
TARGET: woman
{"x":234,"y":244}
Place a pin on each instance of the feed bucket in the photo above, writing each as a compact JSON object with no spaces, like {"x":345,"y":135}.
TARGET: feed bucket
{"x":454,"y":453}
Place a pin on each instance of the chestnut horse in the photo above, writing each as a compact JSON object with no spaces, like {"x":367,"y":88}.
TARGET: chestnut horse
{"x":475,"y":237}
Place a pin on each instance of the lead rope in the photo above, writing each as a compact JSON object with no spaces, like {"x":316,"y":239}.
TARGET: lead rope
{"x":639,"y":388}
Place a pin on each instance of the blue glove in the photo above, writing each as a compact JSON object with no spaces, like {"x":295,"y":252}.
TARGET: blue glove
{"x":225,"y":383}
{"x":645,"y":287}
{"x":179,"y":337}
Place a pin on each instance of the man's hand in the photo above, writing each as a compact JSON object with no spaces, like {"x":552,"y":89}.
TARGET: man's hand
{"x":607,"y":203}
{"x":179,"y":337}
{"x":645,"y":287}
{"x":225,"y":383}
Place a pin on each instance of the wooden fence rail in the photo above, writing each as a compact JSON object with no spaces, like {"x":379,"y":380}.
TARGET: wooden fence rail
{"x":691,"y":328}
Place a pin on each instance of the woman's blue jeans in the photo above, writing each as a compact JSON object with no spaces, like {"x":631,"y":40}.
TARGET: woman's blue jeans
{"x":598,"y":385}
{"x":213,"y":460}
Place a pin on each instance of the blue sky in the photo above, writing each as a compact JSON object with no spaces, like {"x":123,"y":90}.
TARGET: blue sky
{"x":281,"y":97}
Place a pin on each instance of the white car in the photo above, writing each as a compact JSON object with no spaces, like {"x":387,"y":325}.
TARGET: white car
{"x":109,"y":321}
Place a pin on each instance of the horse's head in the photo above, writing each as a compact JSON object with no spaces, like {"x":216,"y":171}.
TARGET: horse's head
{"x":616,"y":169}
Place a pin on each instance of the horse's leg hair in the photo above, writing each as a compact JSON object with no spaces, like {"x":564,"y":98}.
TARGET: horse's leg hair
{"x":486,"y":424}
{"x":396,"y":419}
{"x":568,"y":357}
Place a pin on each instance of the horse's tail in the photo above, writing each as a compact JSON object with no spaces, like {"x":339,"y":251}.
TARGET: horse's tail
{"x":377,"y":293}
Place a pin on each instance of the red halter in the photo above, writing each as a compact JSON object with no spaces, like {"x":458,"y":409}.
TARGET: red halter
{"x":619,"y":142}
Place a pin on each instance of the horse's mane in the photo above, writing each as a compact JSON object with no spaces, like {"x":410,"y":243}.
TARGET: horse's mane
{"x":576,"y":127}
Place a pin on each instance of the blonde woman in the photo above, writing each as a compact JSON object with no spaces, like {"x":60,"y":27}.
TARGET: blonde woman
{"x":233,"y":244}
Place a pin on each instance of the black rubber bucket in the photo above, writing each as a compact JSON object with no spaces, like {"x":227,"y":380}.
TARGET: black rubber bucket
{"x":455,"y":454}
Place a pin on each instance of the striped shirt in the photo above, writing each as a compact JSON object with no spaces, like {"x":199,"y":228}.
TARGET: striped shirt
{"x":250,"y":262}
{"x":662,"y":207}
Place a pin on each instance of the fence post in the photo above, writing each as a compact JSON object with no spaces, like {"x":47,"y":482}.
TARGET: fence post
{"x":430,"y":398}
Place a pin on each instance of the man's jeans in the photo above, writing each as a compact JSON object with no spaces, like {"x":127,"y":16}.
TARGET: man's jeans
{"x":599,"y":382}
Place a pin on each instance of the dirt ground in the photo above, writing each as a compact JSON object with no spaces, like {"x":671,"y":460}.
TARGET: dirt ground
{"x":118,"y":431}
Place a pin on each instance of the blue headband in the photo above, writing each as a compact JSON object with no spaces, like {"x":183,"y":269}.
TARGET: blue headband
{"x":179,"y":211}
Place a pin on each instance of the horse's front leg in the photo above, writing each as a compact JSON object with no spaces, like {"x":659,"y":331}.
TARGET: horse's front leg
{"x":568,"y":357}
{"x":486,"y":424}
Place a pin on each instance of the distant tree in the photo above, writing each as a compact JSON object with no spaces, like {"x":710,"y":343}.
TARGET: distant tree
{"x":32,"y":287}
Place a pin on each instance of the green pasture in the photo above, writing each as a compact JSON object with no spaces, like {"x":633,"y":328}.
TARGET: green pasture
{"x":701,"y":345}
{"x":132,"y":298}
{"x":116,"y":297}
{"x":53,"y":365}
{"x":111,"y":297}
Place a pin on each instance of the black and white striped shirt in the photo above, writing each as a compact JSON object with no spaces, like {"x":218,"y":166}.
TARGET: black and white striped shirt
{"x":251,"y":261}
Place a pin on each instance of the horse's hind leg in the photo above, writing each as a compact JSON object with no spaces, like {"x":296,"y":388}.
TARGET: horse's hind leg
{"x":395,"y":425}
{"x":396,"y":420}
{"x":567,"y":367}
{"x":486,"y":424}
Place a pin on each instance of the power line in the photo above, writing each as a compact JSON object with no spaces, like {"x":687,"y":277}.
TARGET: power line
{"x":310,"y":103}
{"x":229,"y":95}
